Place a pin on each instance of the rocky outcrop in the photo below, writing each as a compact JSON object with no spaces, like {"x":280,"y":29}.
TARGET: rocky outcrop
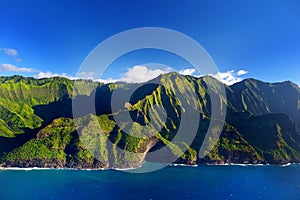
{"x":36,"y":162}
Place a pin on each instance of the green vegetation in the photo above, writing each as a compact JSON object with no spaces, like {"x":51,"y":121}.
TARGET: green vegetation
{"x":19,"y":96}
{"x":261,"y":126}
{"x":50,"y":143}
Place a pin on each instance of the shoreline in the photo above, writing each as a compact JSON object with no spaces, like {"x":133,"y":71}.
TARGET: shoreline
{"x":128,"y":169}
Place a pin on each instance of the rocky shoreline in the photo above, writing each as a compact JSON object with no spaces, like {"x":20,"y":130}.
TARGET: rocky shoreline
{"x":97,"y":165}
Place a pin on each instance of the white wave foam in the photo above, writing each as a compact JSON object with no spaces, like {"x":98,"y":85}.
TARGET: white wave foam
{"x":44,"y":168}
{"x":182,"y":165}
{"x":23,"y":169}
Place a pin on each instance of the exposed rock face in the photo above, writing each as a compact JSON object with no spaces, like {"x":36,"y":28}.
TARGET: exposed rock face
{"x":82,"y":164}
{"x":42,"y":163}
{"x":53,"y":163}
{"x":235,"y":158}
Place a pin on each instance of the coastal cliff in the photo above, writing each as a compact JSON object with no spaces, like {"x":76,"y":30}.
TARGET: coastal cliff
{"x":37,"y":128}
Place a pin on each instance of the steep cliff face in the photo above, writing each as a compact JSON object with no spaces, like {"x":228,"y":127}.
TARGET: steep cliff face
{"x":37,"y":128}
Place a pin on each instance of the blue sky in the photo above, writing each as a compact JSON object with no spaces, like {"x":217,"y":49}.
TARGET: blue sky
{"x":46,"y":38}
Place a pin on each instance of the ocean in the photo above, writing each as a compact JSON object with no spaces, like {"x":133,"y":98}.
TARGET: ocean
{"x":180,"y":182}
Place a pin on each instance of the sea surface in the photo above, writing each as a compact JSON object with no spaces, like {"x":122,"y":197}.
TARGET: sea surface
{"x":202,"y":182}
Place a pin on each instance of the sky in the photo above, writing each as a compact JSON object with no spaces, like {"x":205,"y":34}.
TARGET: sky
{"x":257,"y":39}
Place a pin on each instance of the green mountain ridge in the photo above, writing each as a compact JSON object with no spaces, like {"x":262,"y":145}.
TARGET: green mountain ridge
{"x":37,"y":126}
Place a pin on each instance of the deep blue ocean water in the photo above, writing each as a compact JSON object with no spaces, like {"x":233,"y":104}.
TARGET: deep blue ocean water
{"x":203,"y":182}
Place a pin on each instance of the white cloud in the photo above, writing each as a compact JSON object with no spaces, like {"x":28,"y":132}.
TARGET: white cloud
{"x":86,"y":75}
{"x":92,"y":76}
{"x":230,"y":77}
{"x":108,"y":80}
{"x":139,"y":74}
{"x":9,"y":51}
{"x":18,"y":59}
{"x":6,"y":67}
{"x":136,"y":74}
{"x":49,"y":74}
{"x":46,"y":74}
{"x":242,"y":72}
{"x":187,"y":71}
{"x":80,"y":75}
